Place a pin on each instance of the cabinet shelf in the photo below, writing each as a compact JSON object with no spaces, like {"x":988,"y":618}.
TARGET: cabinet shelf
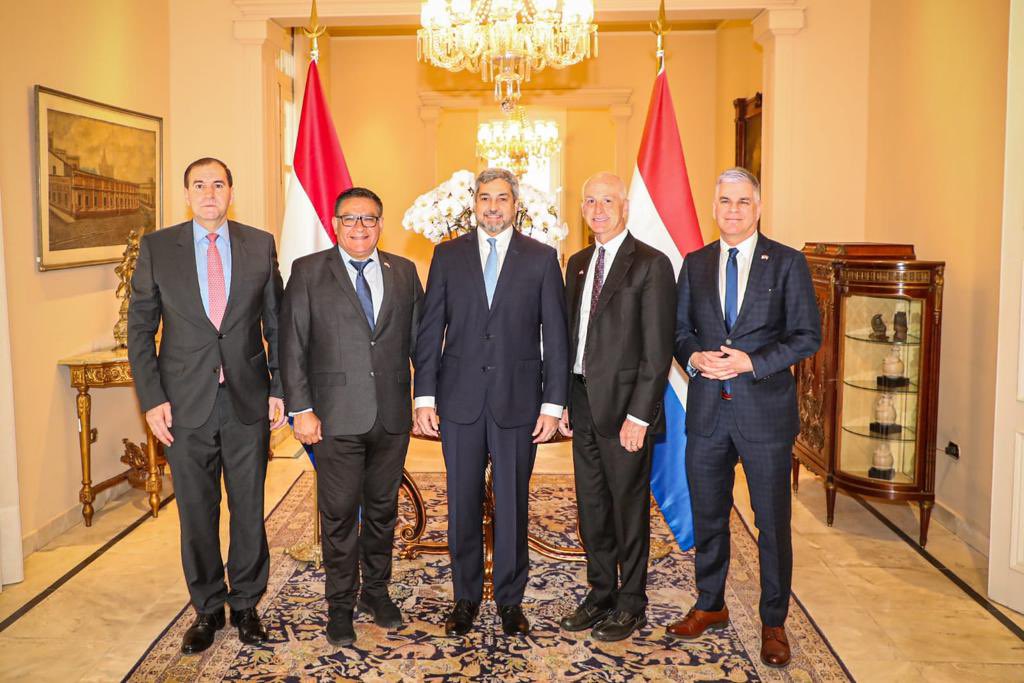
{"x":864,"y":336}
{"x":907,"y":434}
{"x":872,"y":385}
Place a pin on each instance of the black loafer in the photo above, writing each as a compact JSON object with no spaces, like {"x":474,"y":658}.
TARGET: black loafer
{"x":619,"y":626}
{"x":200,"y":634}
{"x":585,"y":617}
{"x":513,"y":621}
{"x":250,"y":629}
{"x":381,"y":609}
{"x":460,"y":621}
{"x":340,"y":631}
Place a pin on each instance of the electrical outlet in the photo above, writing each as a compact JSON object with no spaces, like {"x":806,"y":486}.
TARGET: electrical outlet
{"x":953,"y":450}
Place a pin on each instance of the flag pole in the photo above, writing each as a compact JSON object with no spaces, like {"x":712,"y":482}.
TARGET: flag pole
{"x":311,"y":552}
{"x":661,"y":29}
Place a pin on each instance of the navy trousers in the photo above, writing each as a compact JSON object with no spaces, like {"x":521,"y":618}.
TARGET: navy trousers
{"x":710,"y":469}
{"x":466,"y":448}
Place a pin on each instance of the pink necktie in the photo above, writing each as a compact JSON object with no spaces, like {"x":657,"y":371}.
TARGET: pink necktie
{"x":215,"y":282}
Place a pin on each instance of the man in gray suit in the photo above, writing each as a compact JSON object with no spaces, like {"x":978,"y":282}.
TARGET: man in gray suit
{"x":211,"y":393}
{"x":349,"y":322}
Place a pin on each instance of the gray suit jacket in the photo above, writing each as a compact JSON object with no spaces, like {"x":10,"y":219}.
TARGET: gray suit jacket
{"x":330,"y":359}
{"x":165,"y":288}
{"x":778,"y":326}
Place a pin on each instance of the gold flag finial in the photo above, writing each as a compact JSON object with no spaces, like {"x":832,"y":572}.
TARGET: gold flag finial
{"x":314,"y":31}
{"x":661,"y":29}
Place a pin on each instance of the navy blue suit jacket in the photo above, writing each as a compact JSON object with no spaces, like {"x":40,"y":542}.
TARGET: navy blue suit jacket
{"x":469,"y":356}
{"x":778,"y":326}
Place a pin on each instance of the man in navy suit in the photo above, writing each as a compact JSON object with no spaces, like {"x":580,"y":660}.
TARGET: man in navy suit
{"x":746,"y":314}
{"x":481,"y":365}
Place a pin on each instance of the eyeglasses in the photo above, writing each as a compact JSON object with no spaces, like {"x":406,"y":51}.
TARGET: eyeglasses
{"x":349,"y":220}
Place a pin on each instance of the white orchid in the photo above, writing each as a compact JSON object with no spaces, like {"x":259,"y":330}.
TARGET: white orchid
{"x":447,"y":211}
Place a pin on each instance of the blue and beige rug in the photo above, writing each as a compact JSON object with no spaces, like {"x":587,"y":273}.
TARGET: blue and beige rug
{"x":295,"y":614}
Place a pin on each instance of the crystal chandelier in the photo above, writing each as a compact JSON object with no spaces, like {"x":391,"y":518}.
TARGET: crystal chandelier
{"x":506,"y":40}
{"x":516,"y":143}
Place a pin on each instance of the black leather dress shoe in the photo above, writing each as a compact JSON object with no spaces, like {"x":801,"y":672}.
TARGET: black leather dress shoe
{"x":250,"y":629}
{"x":513,"y":621}
{"x":619,"y":626}
{"x":381,"y":609}
{"x":200,"y":634}
{"x":585,"y":616}
{"x":340,"y":631}
{"x":460,"y":621}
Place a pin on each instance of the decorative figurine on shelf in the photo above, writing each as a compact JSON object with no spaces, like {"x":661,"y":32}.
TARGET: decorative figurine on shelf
{"x":878,"y":331}
{"x":882,"y":463}
{"x":892,"y":371}
{"x":899,"y":326}
{"x":124,"y":271}
{"x":885,"y":416}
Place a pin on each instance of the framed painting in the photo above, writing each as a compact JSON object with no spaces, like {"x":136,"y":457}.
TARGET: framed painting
{"x":99,"y":175}
{"x":748,"y":133}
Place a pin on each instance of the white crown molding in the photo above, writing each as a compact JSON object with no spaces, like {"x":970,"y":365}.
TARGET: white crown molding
{"x":296,"y":12}
{"x":778,"y":22}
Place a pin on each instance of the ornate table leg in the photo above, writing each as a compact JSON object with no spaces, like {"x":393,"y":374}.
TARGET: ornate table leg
{"x":488,"y":524}
{"x":926,"y":515}
{"x":85,"y":496}
{"x":153,"y":481}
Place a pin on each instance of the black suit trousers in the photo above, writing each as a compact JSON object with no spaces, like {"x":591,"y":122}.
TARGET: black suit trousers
{"x":710,"y":470}
{"x":358,"y":478}
{"x":512,"y":452}
{"x":613,"y":492}
{"x":198,"y":457}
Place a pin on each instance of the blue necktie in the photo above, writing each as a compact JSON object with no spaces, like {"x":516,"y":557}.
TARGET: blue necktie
{"x":363,"y":289}
{"x":491,"y":269}
{"x":732,"y":288}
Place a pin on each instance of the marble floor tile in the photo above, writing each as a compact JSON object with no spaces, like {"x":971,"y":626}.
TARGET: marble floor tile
{"x":49,"y":659}
{"x":938,"y":633}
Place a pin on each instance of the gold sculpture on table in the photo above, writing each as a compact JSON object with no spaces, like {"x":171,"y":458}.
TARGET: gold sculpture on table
{"x":124,"y":271}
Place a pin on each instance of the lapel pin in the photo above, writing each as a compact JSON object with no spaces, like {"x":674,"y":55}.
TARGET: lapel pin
{"x":388,"y":265}
{"x":764,"y":257}
{"x":579,"y":273}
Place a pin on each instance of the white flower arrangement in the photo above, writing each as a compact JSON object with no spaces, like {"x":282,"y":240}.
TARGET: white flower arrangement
{"x":447,"y":212}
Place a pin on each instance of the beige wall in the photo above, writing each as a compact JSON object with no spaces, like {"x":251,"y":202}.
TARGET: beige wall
{"x":739,"y":73}
{"x":98,"y":50}
{"x":935,"y":169}
{"x":375,"y":85}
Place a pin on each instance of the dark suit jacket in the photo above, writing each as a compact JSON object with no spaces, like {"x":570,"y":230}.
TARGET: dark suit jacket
{"x":629,"y":339}
{"x":332,"y":362}
{"x":777,"y":326}
{"x":469,"y":356}
{"x":165,"y":287}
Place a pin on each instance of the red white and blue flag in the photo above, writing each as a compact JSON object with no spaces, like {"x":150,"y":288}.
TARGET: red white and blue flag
{"x":320,"y":175}
{"x":661,"y":213}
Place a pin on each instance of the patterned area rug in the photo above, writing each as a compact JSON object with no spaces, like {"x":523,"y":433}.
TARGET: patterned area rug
{"x":295,"y":615}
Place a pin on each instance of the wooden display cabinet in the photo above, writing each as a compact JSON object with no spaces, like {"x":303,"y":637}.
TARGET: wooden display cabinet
{"x":869,"y":398}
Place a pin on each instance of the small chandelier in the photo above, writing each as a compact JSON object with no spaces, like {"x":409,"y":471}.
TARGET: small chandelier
{"x":517,"y":143}
{"x":506,"y":40}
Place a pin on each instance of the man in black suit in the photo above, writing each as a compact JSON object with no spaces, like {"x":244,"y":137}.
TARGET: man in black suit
{"x":348,"y":324}
{"x":480,"y":364}
{"x":746,"y":314}
{"x":211,"y":393}
{"x":621,"y":298}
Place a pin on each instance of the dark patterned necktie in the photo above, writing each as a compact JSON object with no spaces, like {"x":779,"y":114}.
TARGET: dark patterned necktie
{"x":595,"y":293}
{"x":363,"y":289}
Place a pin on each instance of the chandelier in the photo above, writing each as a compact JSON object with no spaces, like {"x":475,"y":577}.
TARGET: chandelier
{"x":506,"y":40}
{"x":516,"y":143}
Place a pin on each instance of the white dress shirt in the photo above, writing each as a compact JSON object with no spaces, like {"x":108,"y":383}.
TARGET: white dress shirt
{"x":611,"y":248}
{"x":374,"y":278}
{"x":743,"y":260}
{"x":503,"y":239}
{"x":372,"y":273}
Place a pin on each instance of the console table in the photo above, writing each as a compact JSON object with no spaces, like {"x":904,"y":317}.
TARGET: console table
{"x":100,"y":370}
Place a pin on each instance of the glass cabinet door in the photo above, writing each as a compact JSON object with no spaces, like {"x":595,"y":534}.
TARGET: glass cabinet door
{"x":881,"y":375}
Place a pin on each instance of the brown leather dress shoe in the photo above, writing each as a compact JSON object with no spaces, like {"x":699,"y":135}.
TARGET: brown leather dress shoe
{"x":696,"y":622}
{"x":774,"y":646}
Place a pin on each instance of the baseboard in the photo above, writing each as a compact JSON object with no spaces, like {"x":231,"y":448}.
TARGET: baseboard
{"x":39,"y":538}
{"x":956,"y":524}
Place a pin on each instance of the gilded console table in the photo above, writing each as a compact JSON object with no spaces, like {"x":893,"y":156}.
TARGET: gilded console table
{"x":100,"y":370}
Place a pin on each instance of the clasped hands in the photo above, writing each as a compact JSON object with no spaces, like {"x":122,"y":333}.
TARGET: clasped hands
{"x":723,"y":364}
{"x":159,"y":419}
{"x":426,"y":424}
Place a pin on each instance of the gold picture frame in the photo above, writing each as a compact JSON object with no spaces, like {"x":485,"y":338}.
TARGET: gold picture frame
{"x":99,"y":175}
